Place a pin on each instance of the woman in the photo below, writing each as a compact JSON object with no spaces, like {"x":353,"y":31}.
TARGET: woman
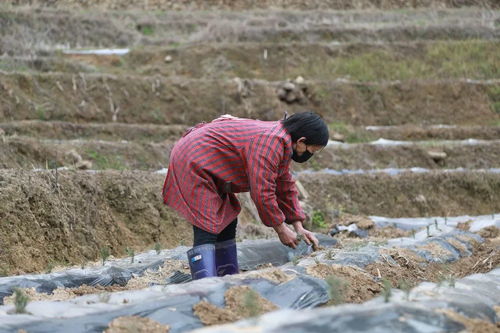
{"x":213,"y":161}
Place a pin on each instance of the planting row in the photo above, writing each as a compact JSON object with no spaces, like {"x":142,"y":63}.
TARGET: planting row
{"x":161,"y":101}
{"x":28,"y":32}
{"x":35,"y":153}
{"x":66,"y":217}
{"x":304,"y":283}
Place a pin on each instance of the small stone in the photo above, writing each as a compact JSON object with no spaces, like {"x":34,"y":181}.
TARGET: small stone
{"x":168,"y":58}
{"x":420,"y":198}
{"x":289,"y":86}
{"x":281,"y":93}
{"x":300,"y":80}
{"x":74,"y":156}
{"x":291,"y":97}
{"x":83,"y":165}
{"x":338,"y":137}
{"x":437,"y":156}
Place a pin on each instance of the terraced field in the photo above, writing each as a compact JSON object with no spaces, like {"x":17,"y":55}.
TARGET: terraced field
{"x":405,"y":198}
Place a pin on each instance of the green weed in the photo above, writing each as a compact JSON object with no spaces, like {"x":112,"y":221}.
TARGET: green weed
{"x":386,"y":290}
{"x":336,"y":289}
{"x":251,"y":303}
{"x":406,"y":287}
{"x":20,"y":300}
{"x":318,"y":220}
{"x":147,"y":30}
{"x":131,"y":253}
{"x":103,"y":162}
{"x":158,"y":248}
{"x":104,"y":254}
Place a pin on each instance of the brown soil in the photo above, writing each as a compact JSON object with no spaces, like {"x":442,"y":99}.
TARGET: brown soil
{"x":363,"y":222}
{"x":465,"y":226}
{"x":270,"y":273}
{"x":108,"y":131}
{"x":359,"y":286}
{"x":319,"y":61}
{"x":410,"y":268}
{"x":241,"y":302}
{"x":136,"y":283}
{"x":409,"y":194}
{"x":136,"y":324}
{"x":158,"y":100}
{"x":29,"y":153}
{"x":261,"y":4}
{"x":489,"y":232}
{"x":368,"y":156}
{"x":412,"y":132}
{"x":472,"y":325}
{"x":66,"y":218}
{"x":62,"y":294}
{"x":434,"y":249}
{"x":389,"y":232}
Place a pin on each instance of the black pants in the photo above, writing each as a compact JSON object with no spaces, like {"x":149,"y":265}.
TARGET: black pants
{"x":204,"y":237}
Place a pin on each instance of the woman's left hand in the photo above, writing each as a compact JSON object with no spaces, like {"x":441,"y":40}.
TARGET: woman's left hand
{"x":308,"y":236}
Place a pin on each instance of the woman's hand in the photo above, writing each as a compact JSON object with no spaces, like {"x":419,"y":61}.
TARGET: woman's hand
{"x":308,"y":236}
{"x":287,"y":236}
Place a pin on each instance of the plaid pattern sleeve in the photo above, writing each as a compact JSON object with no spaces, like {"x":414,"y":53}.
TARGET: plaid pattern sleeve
{"x":288,"y":198}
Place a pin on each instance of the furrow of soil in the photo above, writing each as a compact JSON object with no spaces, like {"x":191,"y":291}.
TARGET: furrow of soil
{"x":356,"y":61}
{"x":412,"y":132}
{"x":248,"y":4}
{"x":431,"y":156}
{"x":408,"y":194}
{"x":61,"y":130}
{"x":32,"y":153}
{"x":163,"y":101}
{"x":29,"y":32}
{"x":67,"y":217}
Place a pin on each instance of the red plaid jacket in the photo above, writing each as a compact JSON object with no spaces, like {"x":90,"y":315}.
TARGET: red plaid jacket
{"x":253,"y":155}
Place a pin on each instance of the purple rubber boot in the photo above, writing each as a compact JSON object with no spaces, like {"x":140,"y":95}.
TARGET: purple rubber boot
{"x":226,"y":258}
{"x":202,"y":261}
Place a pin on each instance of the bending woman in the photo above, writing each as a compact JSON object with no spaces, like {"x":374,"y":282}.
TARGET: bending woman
{"x":213,"y":161}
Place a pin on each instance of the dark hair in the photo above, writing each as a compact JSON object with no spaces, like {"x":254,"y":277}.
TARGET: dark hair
{"x":309,"y":125}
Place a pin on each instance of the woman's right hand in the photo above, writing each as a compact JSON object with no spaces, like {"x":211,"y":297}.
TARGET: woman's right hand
{"x":287,"y":236}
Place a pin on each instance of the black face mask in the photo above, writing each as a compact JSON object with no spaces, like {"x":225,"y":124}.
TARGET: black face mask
{"x":302,"y":158}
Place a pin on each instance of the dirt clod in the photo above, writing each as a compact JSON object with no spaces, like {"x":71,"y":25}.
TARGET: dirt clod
{"x":359,"y":287}
{"x":241,"y":302}
{"x":136,"y":324}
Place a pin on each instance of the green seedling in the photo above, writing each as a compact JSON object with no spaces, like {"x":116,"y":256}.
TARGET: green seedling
{"x":330,"y":255}
{"x":295,"y":260}
{"x":428,"y":227}
{"x":413,"y":233}
{"x":446,"y":220}
{"x":316,"y":261}
{"x":50,"y":267}
{"x":104,"y":297}
{"x":386,"y":290}
{"x":251,"y":303}
{"x":405,"y":286}
{"x":318,"y":220}
{"x":20,"y":300}
{"x":131,"y":253}
{"x":436,"y":225}
{"x":104,"y":254}
{"x":336,"y":289}
{"x":158,"y":248}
